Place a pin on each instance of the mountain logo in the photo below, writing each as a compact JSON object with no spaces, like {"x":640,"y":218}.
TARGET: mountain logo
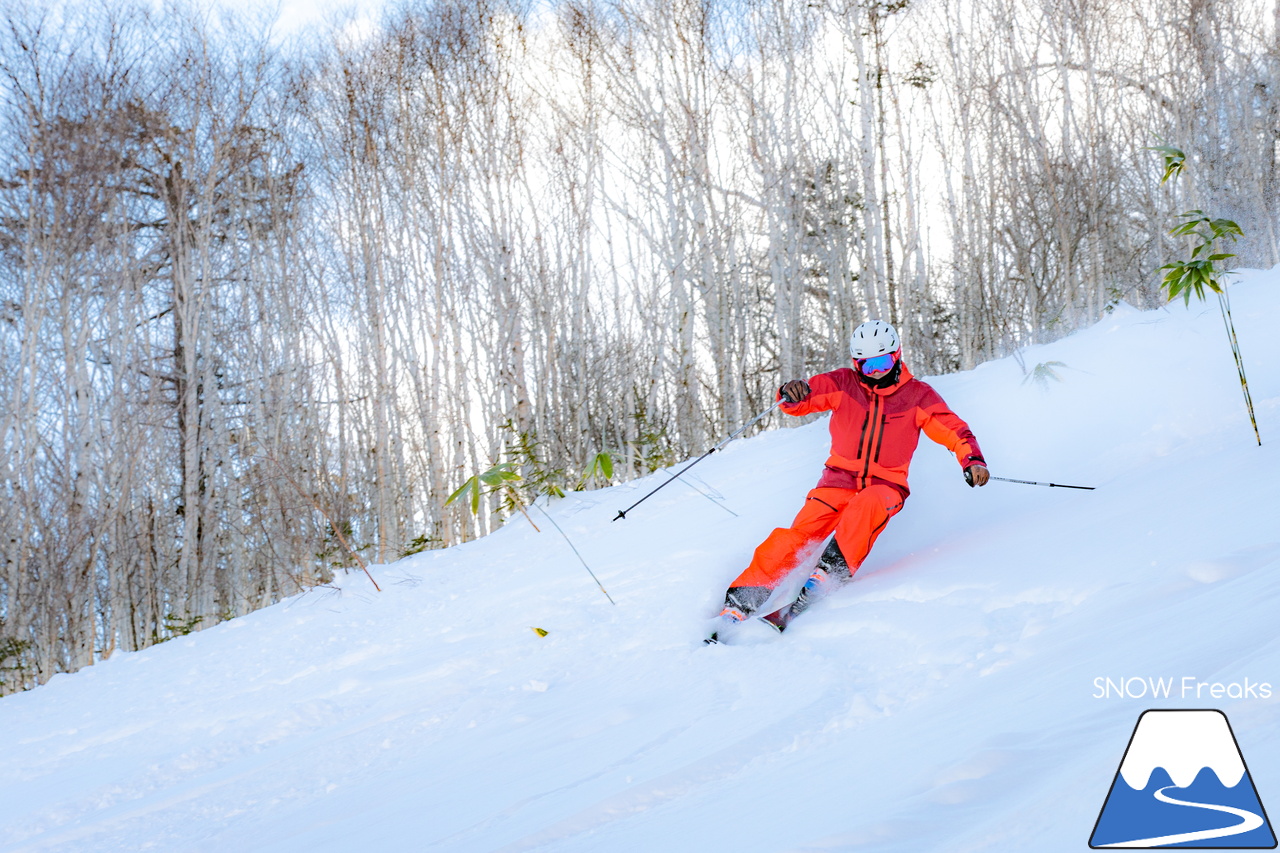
{"x":1183,"y":783}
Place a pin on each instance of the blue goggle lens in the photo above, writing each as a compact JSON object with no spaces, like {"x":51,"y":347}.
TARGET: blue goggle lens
{"x":869,"y":366}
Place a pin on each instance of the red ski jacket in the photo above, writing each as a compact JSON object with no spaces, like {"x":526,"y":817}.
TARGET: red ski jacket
{"x":874,"y":431}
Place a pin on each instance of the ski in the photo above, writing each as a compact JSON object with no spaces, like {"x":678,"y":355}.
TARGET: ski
{"x":780,"y":618}
{"x":816,"y":587}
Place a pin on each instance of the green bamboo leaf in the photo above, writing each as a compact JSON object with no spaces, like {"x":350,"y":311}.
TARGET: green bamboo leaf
{"x":601,"y":467}
{"x":471,"y":488}
{"x":1043,"y":372}
{"x":499,"y":474}
{"x":469,"y":484}
{"x":1225,"y":227}
{"x":1174,"y":160}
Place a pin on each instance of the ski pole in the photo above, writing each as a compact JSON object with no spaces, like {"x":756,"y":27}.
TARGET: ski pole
{"x":623,"y":512}
{"x":1032,"y":483}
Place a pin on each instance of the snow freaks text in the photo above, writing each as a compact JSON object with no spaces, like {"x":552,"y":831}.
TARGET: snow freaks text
{"x":1186,"y":687}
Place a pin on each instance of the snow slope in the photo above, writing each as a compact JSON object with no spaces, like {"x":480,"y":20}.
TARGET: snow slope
{"x":943,"y":702}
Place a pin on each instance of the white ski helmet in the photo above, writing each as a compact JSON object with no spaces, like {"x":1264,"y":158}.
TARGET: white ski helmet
{"x":873,"y":338}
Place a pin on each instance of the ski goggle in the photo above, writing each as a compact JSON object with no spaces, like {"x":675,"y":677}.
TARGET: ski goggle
{"x":869,"y":366}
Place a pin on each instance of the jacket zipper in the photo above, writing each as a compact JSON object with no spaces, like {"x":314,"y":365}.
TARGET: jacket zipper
{"x":871,"y":419}
{"x":884,"y":422}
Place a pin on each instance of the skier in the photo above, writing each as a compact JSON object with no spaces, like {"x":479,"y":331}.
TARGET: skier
{"x":878,"y":411}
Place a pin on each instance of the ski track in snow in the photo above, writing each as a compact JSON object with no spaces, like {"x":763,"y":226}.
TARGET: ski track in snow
{"x":1248,"y":822}
{"x":942,"y":702}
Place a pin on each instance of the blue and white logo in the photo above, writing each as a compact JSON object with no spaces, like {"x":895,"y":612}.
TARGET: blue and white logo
{"x":1183,"y":783}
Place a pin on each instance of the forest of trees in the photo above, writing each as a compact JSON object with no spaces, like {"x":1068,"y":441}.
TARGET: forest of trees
{"x":261,"y":296}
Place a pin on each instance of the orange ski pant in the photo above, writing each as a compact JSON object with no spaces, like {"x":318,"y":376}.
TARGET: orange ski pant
{"x":857,"y":517}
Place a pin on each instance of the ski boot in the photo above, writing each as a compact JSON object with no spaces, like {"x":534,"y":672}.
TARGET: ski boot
{"x":739,"y":603}
{"x":725,"y":624}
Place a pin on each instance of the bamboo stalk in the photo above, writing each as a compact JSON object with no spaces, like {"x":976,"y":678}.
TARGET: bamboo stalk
{"x":1224,"y":303}
{"x":578,"y":555}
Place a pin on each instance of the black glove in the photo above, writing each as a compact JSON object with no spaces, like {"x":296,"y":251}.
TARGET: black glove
{"x":794,"y":391}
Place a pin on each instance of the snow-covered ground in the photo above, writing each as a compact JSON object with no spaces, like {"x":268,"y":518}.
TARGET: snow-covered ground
{"x":945,"y":701}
